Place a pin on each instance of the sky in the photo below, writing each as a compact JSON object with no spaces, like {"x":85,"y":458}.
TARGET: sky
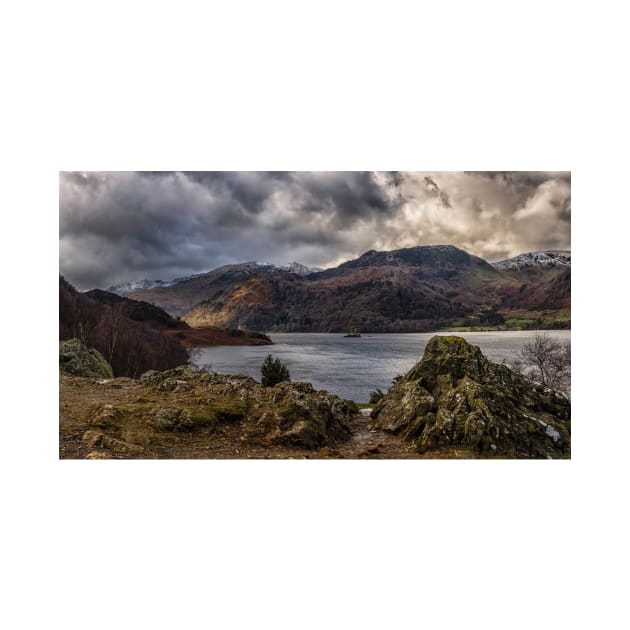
{"x":119,"y":227}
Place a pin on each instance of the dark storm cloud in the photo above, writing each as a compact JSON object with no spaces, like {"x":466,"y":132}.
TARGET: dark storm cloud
{"x":123,"y":226}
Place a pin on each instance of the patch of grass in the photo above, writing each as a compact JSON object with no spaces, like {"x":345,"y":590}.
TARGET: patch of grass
{"x":517,"y":324}
{"x":220,"y":410}
{"x":513,"y":323}
{"x":456,"y":329}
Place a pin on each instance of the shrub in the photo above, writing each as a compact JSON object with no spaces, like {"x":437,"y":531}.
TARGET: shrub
{"x":273,"y":371}
{"x":375,"y":396}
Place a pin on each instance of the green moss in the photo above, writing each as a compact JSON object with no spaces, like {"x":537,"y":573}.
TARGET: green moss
{"x":293,"y":413}
{"x":218,"y":410}
{"x":78,"y":359}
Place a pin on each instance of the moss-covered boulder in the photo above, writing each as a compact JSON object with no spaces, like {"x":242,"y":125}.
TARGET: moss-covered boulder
{"x":77,"y":359}
{"x":298,"y":415}
{"x":455,"y":398}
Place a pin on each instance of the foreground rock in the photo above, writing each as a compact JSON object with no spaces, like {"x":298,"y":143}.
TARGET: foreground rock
{"x":454,"y":398}
{"x":187,"y":412}
{"x":76,"y":358}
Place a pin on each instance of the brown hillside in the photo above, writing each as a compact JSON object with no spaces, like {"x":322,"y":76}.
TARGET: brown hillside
{"x":415,"y":289}
{"x":130,"y":346}
{"x":407,"y":290}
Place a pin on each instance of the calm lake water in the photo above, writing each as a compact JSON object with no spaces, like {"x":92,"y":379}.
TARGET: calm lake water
{"x":353,"y":367}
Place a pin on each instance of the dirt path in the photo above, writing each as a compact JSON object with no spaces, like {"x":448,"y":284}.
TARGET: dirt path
{"x":366,"y":443}
{"x":224,"y":441}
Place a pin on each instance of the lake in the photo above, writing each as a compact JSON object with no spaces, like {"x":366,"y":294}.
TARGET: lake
{"x":353,"y":367}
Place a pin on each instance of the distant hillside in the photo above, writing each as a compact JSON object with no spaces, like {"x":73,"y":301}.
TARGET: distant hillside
{"x":137,"y":289}
{"x":185,"y":295}
{"x":545,"y":280}
{"x":131,"y":346}
{"x":138,"y":311}
{"x":133,"y":334}
{"x":535,"y":260}
{"x":127,"y":287}
{"x":535,"y":266}
{"x":415,"y":289}
{"x":549,"y":292}
{"x":406,"y":290}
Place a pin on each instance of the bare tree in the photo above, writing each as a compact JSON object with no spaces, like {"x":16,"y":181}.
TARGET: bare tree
{"x":85,"y":322}
{"x":113,"y":333}
{"x":546,"y":361}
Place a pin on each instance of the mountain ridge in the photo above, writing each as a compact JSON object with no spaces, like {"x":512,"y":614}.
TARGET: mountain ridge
{"x":127,"y":288}
{"x":546,"y":258}
{"x":406,"y":290}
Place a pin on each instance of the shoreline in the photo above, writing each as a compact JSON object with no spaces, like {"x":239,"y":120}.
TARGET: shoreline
{"x":418,"y":332}
{"x":209,"y":336}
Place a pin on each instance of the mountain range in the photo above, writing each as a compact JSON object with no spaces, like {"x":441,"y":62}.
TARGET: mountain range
{"x":126,"y":288}
{"x":407,"y":290}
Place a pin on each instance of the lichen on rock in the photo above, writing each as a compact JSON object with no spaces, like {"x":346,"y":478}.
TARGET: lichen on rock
{"x":79,"y":360}
{"x":290,"y":413}
{"x":456,"y":397}
{"x":306,"y":417}
{"x":103,"y":416}
{"x":172,"y":419}
{"x":98,"y":440}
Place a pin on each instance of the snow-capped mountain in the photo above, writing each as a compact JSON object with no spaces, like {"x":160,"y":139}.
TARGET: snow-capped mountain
{"x":126,"y":288}
{"x":293,"y":267}
{"x":548,"y":259}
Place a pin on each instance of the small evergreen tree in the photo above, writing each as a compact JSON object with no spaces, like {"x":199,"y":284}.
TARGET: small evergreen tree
{"x":273,"y":371}
{"x":375,"y":396}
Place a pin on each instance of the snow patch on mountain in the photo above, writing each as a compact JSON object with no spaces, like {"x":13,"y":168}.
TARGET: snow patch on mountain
{"x":129,"y":287}
{"x":300,"y":269}
{"x":549,"y":258}
{"x":126,"y":288}
{"x":293,"y":267}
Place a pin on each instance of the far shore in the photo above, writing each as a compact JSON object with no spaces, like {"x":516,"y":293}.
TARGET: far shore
{"x":208,"y":336}
{"x":211,"y":336}
{"x":457,"y":329}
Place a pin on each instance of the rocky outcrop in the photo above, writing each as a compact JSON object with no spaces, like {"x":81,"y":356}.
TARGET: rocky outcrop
{"x":191,"y":404}
{"x":454,"y":398}
{"x":97,"y":440}
{"x":301,"y":416}
{"x":77,"y":359}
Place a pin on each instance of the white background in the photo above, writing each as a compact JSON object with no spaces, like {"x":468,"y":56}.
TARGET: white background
{"x":323,"y":86}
